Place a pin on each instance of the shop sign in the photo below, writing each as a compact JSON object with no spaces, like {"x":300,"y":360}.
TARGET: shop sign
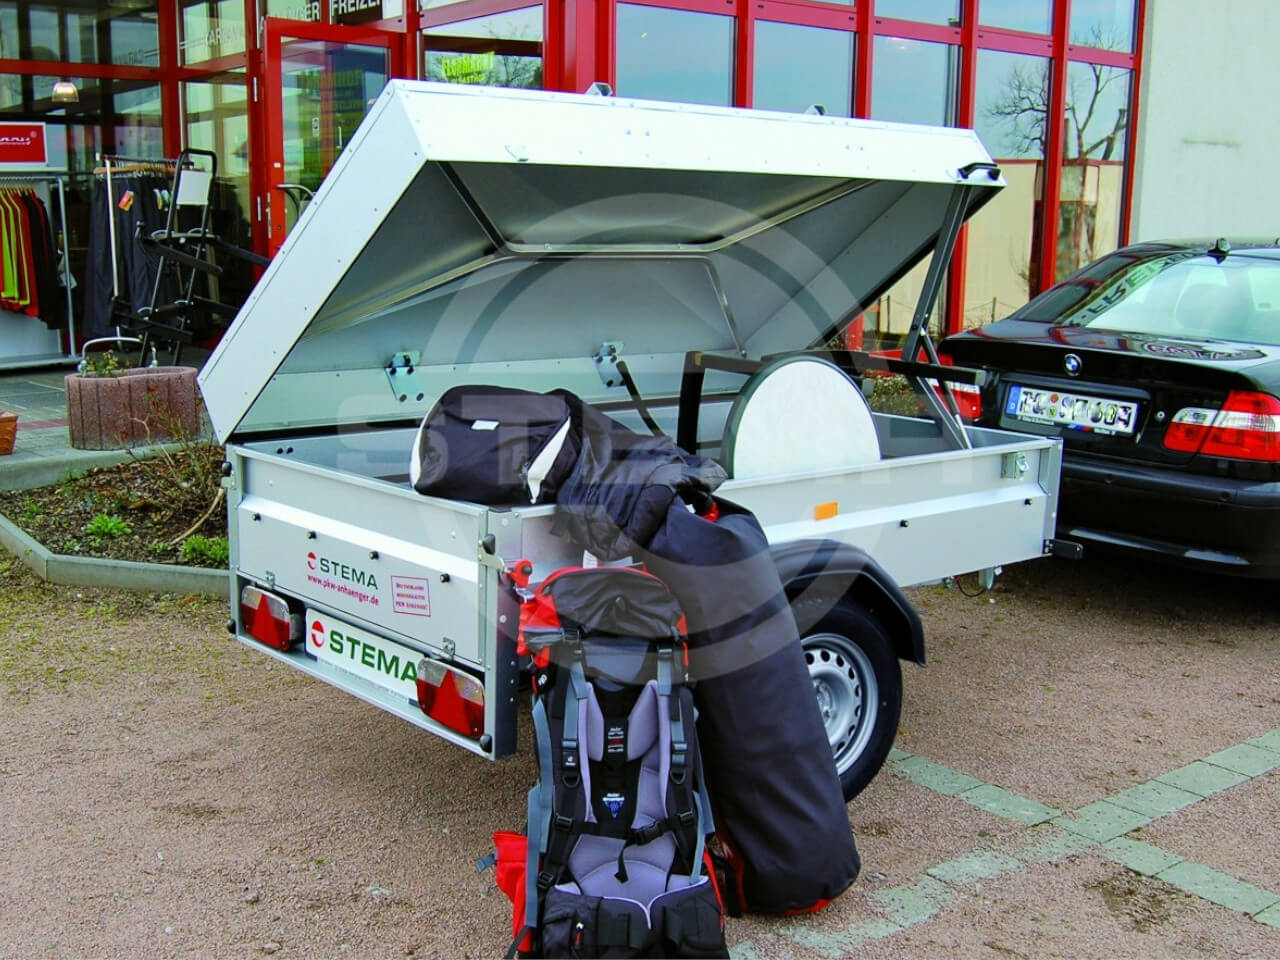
{"x":22,"y":145}
{"x":355,"y":11}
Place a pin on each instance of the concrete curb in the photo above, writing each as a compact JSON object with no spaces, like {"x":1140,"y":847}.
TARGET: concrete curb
{"x":25,"y":471}
{"x":126,"y":574}
{"x":40,"y":471}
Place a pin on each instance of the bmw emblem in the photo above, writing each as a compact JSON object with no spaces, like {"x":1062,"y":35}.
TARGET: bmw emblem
{"x":1072,"y":363}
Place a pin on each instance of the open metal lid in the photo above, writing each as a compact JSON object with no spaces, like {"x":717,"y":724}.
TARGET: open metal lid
{"x":516,"y":237}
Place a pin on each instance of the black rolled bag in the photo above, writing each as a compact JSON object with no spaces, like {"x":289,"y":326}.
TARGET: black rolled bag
{"x":779,"y":808}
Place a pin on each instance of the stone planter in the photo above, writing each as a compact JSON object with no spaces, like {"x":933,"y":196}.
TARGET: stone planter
{"x":8,"y":432}
{"x":134,"y":409}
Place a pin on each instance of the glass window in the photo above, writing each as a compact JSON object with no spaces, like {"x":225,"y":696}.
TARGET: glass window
{"x":1181,"y":293}
{"x":944,"y":12}
{"x":216,"y":117}
{"x":9,"y":32}
{"x":1107,"y":24}
{"x":914,"y":81}
{"x":308,"y":10}
{"x":503,"y":50}
{"x":210,"y":28}
{"x":797,"y":66}
{"x":138,"y":127}
{"x":674,"y":55}
{"x":1093,"y":154}
{"x":121,"y":33}
{"x":1032,"y":16}
{"x":42,"y":34}
{"x":134,"y":40}
{"x":1002,"y":267}
{"x":114,"y":116}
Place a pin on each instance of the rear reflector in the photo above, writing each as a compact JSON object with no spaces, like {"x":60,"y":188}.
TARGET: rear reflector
{"x":451,"y":697}
{"x":267,"y":619}
{"x":1246,"y":428}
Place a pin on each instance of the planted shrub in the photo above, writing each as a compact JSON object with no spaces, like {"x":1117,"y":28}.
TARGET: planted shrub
{"x":205,"y":551}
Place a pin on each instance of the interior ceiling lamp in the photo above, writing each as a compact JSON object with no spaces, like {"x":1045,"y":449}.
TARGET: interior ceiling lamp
{"x":64,"y":91}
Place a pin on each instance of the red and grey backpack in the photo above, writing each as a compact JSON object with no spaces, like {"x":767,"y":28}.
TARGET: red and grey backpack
{"x":614,"y":861}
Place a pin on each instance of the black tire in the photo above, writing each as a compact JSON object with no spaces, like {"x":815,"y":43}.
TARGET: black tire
{"x":858,"y":682}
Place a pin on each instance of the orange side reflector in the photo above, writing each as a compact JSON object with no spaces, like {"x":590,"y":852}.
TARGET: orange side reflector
{"x":825,"y":511}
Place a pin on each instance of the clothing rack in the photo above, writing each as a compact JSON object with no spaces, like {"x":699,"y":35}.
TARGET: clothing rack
{"x":182,"y":255}
{"x":55,"y":180}
{"x":122,"y":164}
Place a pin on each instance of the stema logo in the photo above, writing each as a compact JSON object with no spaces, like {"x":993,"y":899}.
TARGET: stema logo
{"x":317,"y":633}
{"x":343,"y":571}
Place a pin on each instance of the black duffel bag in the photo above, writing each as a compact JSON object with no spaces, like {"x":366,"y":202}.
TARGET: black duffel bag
{"x":494,"y":445}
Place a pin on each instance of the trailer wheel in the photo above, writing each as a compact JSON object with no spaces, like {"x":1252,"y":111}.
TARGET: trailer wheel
{"x":858,"y":685}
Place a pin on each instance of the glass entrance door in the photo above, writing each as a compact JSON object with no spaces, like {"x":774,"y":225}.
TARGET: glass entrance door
{"x":320,"y":81}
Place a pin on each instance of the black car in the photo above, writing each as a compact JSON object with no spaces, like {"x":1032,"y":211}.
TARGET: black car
{"x":1159,"y":366}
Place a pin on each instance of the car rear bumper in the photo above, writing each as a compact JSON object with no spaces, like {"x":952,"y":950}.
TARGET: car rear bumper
{"x":1208,"y":523}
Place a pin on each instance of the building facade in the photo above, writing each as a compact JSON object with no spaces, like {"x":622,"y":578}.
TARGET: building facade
{"x":274,"y":88}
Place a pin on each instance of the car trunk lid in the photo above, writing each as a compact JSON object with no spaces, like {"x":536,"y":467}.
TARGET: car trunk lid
{"x":1106,"y":392}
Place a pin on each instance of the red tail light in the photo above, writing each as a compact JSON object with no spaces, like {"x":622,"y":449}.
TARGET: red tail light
{"x":1246,"y":428}
{"x":968,"y":399}
{"x":451,"y":697}
{"x":267,"y":619}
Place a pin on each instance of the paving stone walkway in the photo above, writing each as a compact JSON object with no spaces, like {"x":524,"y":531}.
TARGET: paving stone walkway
{"x":1103,"y":826}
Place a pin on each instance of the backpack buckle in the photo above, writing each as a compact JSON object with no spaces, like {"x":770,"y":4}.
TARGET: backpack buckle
{"x":546,"y":879}
{"x":563,"y":823}
{"x":678,"y":755}
{"x":688,"y":818}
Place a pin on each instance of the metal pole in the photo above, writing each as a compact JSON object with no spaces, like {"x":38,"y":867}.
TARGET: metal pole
{"x":66,"y":268}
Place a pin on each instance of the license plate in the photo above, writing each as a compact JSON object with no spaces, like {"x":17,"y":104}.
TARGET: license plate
{"x":385,"y":663}
{"x":1072,"y":411}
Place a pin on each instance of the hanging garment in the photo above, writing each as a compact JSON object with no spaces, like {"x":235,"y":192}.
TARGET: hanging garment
{"x":29,"y":273}
{"x":121,"y":280}
{"x":52,"y":307}
{"x":20,"y":285}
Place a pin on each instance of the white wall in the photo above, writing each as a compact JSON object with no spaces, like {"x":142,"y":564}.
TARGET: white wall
{"x":1209,"y":127}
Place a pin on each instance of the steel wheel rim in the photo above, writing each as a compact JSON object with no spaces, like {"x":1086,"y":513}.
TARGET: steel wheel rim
{"x":848,"y":695}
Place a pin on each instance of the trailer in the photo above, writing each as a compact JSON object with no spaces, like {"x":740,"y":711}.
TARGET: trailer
{"x":683,"y":267}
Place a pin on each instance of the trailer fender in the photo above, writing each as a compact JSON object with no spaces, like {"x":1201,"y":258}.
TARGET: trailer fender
{"x":833,"y":569}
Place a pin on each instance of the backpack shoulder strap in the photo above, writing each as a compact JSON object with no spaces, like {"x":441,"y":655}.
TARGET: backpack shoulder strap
{"x":564,"y":775}
{"x":536,"y":883}
{"x":684,"y":790}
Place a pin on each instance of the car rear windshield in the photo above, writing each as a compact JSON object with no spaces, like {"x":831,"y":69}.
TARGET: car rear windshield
{"x":1181,"y":293}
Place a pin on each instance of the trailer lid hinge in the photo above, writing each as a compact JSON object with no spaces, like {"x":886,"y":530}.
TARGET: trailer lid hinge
{"x":606,"y":360}
{"x":402,"y":374}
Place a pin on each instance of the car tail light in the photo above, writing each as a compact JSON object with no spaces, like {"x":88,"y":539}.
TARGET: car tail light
{"x":267,"y":619}
{"x":1246,"y":428}
{"x":451,"y":697}
{"x":968,"y":397}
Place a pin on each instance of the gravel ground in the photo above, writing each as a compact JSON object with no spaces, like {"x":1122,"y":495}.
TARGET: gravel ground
{"x":169,"y":792}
